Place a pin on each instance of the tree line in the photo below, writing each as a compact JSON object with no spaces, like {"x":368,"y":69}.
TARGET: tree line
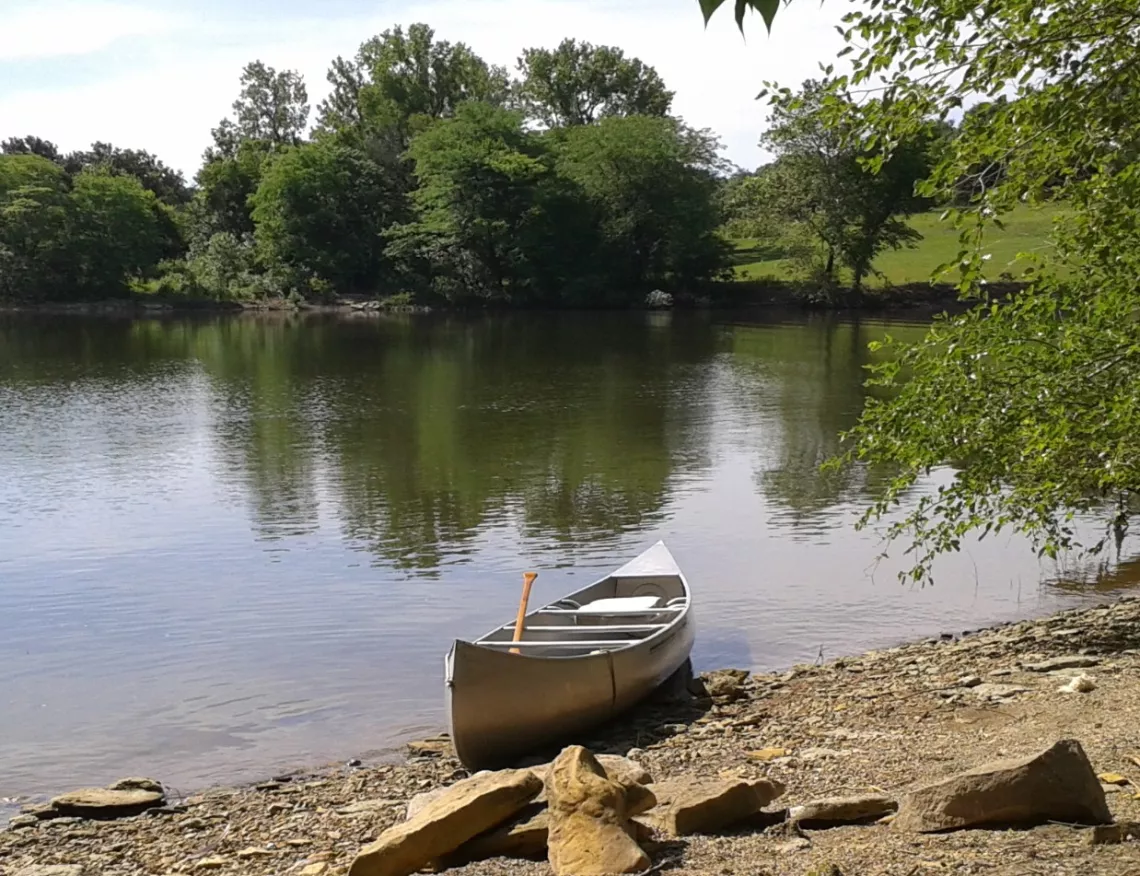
{"x":432,"y":176}
{"x":428,"y":173}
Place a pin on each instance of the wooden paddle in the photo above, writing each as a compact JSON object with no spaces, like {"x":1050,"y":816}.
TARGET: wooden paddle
{"x":520,"y":621}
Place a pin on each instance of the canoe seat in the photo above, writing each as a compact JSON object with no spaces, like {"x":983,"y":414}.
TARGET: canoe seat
{"x":621,"y":603}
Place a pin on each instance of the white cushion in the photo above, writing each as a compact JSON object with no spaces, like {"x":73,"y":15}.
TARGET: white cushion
{"x":621,"y":603}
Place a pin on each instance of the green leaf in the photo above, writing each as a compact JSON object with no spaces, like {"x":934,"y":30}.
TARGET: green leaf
{"x":708,"y":7}
{"x":766,"y":8}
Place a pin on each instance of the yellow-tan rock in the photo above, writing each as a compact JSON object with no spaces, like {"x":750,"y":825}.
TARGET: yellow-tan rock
{"x":590,"y":833}
{"x":690,"y":804}
{"x":1057,"y":784}
{"x":469,"y":808}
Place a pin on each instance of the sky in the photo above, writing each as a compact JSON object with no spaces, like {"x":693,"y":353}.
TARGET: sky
{"x":159,"y":74}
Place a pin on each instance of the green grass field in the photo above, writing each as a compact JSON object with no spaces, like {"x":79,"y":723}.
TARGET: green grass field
{"x":1026,"y":230}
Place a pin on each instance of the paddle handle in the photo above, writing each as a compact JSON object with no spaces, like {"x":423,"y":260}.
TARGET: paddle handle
{"x":520,"y":621}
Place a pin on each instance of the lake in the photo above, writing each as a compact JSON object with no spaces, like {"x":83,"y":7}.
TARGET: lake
{"x":234,"y":545}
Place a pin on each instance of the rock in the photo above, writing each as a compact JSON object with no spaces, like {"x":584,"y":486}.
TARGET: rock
{"x":1112,"y":834}
{"x":725,"y":685}
{"x":214,"y":863}
{"x":590,"y":834}
{"x":106,"y":803}
{"x":420,"y":801}
{"x":796,"y":844}
{"x":136,"y":783}
{"x":622,"y":770}
{"x":1078,"y":684}
{"x":991,"y":691}
{"x":525,"y":836}
{"x":969,"y":681}
{"x":51,"y":870}
{"x":833,"y":811}
{"x":763,"y":755}
{"x":42,"y":811}
{"x":256,"y":852}
{"x":436,"y":746}
{"x":18,"y":821}
{"x":1057,"y":784}
{"x":465,"y":810}
{"x":315,"y":869}
{"x":1113,"y":778}
{"x":690,"y":805}
{"x":1076,"y":661}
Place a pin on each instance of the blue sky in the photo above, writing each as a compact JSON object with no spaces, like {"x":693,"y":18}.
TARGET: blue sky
{"x":157,"y":75}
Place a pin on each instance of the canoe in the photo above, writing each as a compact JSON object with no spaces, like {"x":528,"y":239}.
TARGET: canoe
{"x":582,"y":660}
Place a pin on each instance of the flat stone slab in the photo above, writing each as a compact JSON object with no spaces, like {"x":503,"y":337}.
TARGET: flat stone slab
{"x":1076,"y":661}
{"x":463,"y":811}
{"x":106,"y":803}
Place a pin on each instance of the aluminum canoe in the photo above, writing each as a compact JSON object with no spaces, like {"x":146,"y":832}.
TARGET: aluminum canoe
{"x":582,"y":660}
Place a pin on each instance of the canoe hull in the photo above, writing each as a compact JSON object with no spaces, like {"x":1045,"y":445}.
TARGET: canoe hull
{"x":503,"y":706}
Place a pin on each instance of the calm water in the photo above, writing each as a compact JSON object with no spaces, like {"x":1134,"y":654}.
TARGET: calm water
{"x":235,"y":545}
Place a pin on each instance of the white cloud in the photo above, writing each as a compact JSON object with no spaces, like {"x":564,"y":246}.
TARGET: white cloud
{"x":169,"y":106}
{"x":52,"y":30}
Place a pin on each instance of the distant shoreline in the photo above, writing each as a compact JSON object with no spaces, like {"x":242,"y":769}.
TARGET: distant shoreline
{"x":739,"y":296}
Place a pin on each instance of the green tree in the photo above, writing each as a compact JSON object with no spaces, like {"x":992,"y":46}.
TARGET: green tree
{"x":272,"y":107}
{"x":319,"y":212}
{"x":400,"y":80}
{"x":31,"y":145}
{"x":168,"y":184}
{"x":651,"y":189}
{"x":579,"y":83}
{"x":35,"y":261}
{"x":1031,"y":400}
{"x":831,"y":178}
{"x":115,"y":233}
{"x":478,"y":204}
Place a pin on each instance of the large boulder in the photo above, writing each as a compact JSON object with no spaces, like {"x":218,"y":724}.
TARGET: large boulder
{"x":689,"y":804}
{"x":467,"y":809}
{"x":1057,"y":784}
{"x":590,"y":833}
{"x":100,"y":803}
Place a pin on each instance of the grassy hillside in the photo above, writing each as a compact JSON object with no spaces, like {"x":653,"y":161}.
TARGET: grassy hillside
{"x":1026,"y":230}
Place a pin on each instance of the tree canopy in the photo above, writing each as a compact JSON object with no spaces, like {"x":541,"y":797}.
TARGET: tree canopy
{"x":1028,"y":403}
{"x":578,"y":83}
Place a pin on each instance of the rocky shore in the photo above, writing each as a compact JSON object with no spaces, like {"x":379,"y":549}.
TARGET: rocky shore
{"x":882,"y":763}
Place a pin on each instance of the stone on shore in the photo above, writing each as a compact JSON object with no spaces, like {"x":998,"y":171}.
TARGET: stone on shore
{"x":1057,"y":784}
{"x":51,"y":870}
{"x":524,"y":836}
{"x":137,"y":783}
{"x":590,"y":834}
{"x":690,"y":805}
{"x":469,"y":808}
{"x":724,"y":685}
{"x":622,"y":770}
{"x":99,"y":803}
{"x":1076,"y":661}
{"x":834,"y":811}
